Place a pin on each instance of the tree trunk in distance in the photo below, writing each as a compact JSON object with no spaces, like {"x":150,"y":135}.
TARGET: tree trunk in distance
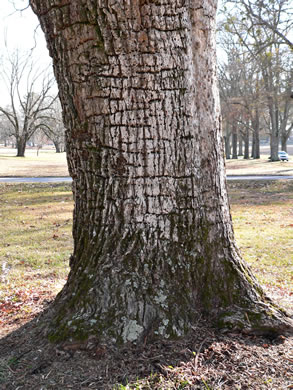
{"x":253,"y":146}
{"x":274,"y":143}
{"x":274,"y":135}
{"x":255,"y":136}
{"x":234,"y":145}
{"x":284,"y":143}
{"x":240,"y":146}
{"x":257,"y":145}
{"x":255,"y":151}
{"x":153,"y":239}
{"x":57,"y":147}
{"x":20,"y":146}
{"x":246,"y":145}
{"x":227,"y":143}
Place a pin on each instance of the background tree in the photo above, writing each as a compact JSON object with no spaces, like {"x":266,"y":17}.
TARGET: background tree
{"x":286,"y":112}
{"x":38,"y":140}
{"x":276,"y":16}
{"x":240,"y":98}
{"x":5,"y":130}
{"x":153,"y":240}
{"x":262,"y":46}
{"x":30,"y":96}
{"x":54,"y":128}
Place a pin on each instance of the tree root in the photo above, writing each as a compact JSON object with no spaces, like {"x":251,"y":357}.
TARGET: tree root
{"x":261,"y":320}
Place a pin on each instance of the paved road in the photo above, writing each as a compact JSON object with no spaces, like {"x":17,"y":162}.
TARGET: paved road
{"x":34,"y":179}
{"x":263,"y":177}
{"x":68,"y":179}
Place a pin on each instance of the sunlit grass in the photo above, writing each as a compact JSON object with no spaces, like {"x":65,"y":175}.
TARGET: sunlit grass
{"x":263,"y":224}
{"x":35,"y":236}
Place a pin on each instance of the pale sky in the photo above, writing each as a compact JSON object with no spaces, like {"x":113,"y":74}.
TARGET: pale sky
{"x":20,"y":30}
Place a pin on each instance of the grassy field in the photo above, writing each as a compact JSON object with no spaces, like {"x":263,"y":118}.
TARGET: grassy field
{"x":263,"y":223}
{"x":46,"y":163}
{"x":35,"y":236}
{"x":49,"y":163}
{"x":36,"y":242}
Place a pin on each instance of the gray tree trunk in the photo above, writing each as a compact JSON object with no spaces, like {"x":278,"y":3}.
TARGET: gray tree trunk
{"x":20,"y":146}
{"x":234,"y":143}
{"x":284,"y":140}
{"x":273,"y":111}
{"x":240,"y":145}
{"x":227,"y":142}
{"x":274,"y":145}
{"x":246,"y":144}
{"x":257,"y":145}
{"x":58,"y":146}
{"x":255,"y":153}
{"x":285,"y":127}
{"x":153,"y":240}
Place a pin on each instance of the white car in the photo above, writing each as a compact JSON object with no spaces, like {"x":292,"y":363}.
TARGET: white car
{"x":283,"y":156}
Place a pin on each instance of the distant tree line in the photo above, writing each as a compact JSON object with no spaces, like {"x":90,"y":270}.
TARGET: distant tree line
{"x":256,"y":75}
{"x":32,"y":114}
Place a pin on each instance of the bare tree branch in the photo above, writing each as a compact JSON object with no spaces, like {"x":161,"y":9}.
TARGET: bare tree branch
{"x":30,"y":96}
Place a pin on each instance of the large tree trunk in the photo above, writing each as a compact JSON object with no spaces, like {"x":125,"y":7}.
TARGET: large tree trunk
{"x":153,"y":240}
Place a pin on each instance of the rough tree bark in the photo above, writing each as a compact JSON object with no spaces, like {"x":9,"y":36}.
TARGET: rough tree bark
{"x":153,"y":240}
